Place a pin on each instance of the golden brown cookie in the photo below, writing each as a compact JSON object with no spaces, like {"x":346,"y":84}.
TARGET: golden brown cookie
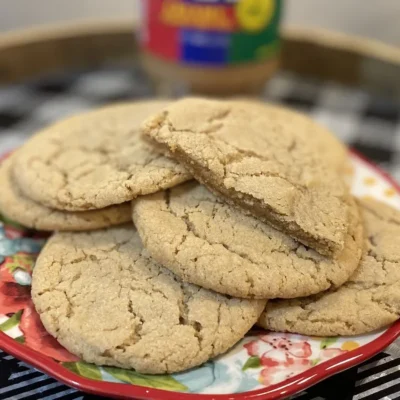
{"x":368,"y":301}
{"x":261,"y":159}
{"x":94,"y":160}
{"x":325,"y":142}
{"x":107,"y":302}
{"x":205,"y":241}
{"x":19,"y":208}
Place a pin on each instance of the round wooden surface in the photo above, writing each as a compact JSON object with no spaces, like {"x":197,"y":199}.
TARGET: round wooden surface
{"x":314,"y":53}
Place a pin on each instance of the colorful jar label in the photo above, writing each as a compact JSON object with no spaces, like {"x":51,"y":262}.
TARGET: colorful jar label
{"x":211,"y":32}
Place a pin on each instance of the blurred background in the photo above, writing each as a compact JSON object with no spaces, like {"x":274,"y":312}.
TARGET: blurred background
{"x":348,"y":86}
{"x":374,"y":19}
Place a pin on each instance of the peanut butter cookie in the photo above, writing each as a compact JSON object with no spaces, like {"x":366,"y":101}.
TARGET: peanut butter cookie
{"x":107,"y":302}
{"x":368,"y":301}
{"x":94,"y":160}
{"x":205,"y":241}
{"x":19,"y":208}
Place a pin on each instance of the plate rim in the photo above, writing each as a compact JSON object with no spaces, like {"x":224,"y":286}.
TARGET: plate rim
{"x":277,"y":391}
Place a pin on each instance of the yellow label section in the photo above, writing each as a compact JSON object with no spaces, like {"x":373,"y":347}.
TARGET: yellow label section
{"x":254,"y":15}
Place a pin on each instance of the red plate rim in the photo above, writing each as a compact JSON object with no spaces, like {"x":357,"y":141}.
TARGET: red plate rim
{"x":278,"y":391}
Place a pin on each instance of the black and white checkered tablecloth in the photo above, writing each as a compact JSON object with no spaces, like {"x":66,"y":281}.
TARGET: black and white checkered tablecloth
{"x":368,"y":123}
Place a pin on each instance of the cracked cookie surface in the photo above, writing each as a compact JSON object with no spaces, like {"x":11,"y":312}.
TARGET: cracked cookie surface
{"x":19,"y":208}
{"x":335,"y":152}
{"x":262,"y":159}
{"x":107,"y":302}
{"x":205,"y":241}
{"x":94,"y":160}
{"x":369,"y":300}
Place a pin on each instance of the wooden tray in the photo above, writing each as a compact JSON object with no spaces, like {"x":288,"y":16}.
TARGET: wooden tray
{"x":336,"y":57}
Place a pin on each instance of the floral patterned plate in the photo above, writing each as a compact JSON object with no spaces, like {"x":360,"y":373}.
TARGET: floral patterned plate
{"x":263,"y":365}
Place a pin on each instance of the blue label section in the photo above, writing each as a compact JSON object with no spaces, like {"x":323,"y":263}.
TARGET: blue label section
{"x":205,"y":47}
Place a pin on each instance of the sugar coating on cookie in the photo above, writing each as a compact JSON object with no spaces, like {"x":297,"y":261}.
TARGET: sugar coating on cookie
{"x":262,"y":159}
{"x":19,"y":208}
{"x":107,"y":302}
{"x":205,"y":241}
{"x":94,"y":160}
{"x":334,"y":151}
{"x":369,"y":300}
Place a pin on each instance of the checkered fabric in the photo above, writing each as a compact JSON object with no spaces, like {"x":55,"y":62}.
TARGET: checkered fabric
{"x":368,"y":123}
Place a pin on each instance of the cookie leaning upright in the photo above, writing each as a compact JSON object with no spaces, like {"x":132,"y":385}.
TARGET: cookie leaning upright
{"x":258,"y":160}
{"x":369,"y":300}
{"x":94,"y":160}
{"x":108,"y":302}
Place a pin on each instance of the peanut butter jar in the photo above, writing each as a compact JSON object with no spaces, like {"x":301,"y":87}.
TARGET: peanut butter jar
{"x":212,"y":47}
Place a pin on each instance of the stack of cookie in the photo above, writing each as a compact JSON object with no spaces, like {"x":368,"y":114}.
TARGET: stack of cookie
{"x":81,"y":173}
{"x":267,"y":232}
